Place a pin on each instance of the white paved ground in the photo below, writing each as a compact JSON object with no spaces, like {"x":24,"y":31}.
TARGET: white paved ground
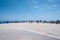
{"x":22,"y":35}
{"x":26,"y":31}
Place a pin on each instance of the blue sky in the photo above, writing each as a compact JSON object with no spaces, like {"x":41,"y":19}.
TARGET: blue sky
{"x":29,"y":10}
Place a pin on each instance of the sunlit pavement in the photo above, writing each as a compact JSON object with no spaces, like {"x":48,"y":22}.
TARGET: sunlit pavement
{"x":26,"y":31}
{"x":22,"y":35}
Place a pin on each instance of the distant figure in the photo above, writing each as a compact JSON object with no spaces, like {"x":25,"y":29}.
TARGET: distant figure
{"x":30,"y":21}
{"x":57,"y":21}
{"x":51,"y":22}
{"x":40,"y":21}
{"x":7,"y":22}
{"x":37,"y":21}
